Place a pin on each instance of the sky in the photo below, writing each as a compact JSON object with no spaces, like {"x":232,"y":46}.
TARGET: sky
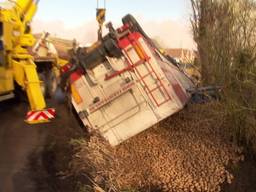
{"x":165,"y":20}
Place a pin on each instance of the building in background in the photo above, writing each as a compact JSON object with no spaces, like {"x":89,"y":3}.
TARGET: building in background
{"x":187,"y":62}
{"x":182,"y":55}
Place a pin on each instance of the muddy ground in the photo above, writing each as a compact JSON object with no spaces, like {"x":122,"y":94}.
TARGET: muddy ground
{"x":33,"y":156}
{"x":37,"y":158}
{"x":17,"y":142}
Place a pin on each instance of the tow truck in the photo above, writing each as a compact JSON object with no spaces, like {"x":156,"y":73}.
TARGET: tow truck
{"x":17,"y":66}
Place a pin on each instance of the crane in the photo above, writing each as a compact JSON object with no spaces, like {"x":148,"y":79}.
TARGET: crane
{"x":16,"y":64}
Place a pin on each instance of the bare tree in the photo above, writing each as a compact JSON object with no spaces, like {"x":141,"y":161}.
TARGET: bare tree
{"x":225,"y":32}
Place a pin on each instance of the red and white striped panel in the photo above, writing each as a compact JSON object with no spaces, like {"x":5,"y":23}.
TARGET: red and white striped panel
{"x":34,"y":117}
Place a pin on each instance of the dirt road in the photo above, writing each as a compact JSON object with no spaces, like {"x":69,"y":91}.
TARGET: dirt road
{"x":31,"y":155}
{"x":17,"y":141}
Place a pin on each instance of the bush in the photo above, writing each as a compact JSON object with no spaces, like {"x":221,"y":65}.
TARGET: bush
{"x":225,"y":32}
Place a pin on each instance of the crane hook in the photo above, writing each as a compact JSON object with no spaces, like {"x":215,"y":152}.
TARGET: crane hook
{"x":100,"y":17}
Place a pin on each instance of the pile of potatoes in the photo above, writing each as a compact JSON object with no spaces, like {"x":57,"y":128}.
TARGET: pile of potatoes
{"x":187,"y":152}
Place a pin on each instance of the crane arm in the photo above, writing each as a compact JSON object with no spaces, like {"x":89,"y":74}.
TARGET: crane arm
{"x":27,"y":9}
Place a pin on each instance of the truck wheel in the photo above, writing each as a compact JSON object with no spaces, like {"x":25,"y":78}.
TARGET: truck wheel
{"x":50,"y":83}
{"x":129,"y":19}
{"x":20,"y":95}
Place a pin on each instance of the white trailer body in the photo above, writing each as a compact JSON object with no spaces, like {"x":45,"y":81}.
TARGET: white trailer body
{"x":122,"y":97}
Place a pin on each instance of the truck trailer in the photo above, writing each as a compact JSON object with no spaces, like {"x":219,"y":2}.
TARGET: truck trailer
{"x":123,"y":84}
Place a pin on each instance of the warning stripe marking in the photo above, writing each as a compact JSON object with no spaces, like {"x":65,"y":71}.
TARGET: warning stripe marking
{"x":41,"y":115}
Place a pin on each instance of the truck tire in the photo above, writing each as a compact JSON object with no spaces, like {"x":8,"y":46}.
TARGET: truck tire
{"x":133,"y":23}
{"x":50,"y":83}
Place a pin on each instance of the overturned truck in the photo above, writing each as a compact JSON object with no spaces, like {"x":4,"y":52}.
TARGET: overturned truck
{"x":123,"y":84}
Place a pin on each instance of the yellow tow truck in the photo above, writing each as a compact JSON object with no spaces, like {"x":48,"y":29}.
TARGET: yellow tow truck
{"x":17,"y":66}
